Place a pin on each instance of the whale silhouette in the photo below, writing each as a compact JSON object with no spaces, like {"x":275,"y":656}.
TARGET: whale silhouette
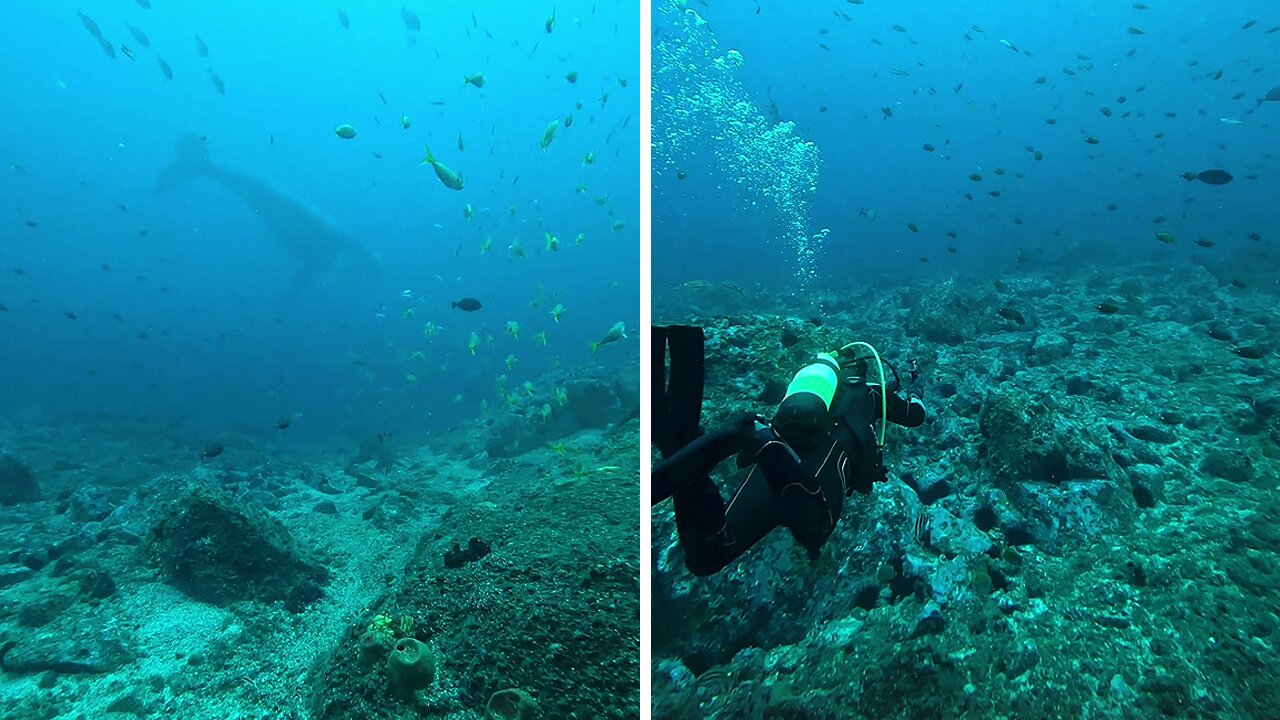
{"x":315,"y":243}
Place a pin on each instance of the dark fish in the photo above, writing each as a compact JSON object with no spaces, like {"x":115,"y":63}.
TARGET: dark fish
{"x":1250,"y":352}
{"x":71,"y":316}
{"x":411,"y":21}
{"x":887,"y":111}
{"x":212,"y":450}
{"x":217,"y":83}
{"x":928,"y":147}
{"x":467,"y":304}
{"x":1255,"y":237}
{"x":201,"y":47}
{"x":107,"y":48}
{"x":33,"y":224}
{"x":90,"y":25}
{"x":139,"y":36}
{"x":912,"y":227}
{"x":283,"y":423}
{"x":3,"y":308}
{"x":1204,"y":242}
{"x":1012,"y":315}
{"x":164,"y":68}
{"x":1273,"y":95}
{"x":144,"y":3}
{"x":975,"y":177}
{"x":1108,"y":308}
{"x":342,"y":19}
{"x":681,"y":174}
{"x":1209,"y":177}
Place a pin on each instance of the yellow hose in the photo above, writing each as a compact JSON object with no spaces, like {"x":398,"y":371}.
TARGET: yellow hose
{"x":884,"y":399}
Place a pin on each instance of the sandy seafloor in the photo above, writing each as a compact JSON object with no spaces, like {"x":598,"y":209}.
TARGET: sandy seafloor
{"x":91,"y":628}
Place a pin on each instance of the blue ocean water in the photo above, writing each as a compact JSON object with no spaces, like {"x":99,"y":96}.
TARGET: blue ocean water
{"x":987,"y":88}
{"x":190,"y":312}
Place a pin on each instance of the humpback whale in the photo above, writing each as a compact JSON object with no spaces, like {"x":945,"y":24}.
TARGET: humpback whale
{"x":314,"y":242}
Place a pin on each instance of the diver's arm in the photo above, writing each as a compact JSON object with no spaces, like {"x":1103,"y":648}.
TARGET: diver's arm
{"x":701,"y":456}
{"x":907,"y":412}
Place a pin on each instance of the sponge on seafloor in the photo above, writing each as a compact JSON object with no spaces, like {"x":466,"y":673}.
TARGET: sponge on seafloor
{"x":410,"y":667}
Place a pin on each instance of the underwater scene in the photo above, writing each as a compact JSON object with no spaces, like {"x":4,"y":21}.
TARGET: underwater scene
{"x":321,"y":367}
{"x":985,"y":296}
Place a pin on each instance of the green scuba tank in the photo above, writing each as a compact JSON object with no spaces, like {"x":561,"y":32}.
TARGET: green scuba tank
{"x":819,"y":378}
{"x":808,"y":400}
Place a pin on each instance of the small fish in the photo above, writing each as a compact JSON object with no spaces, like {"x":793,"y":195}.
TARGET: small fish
{"x":912,"y":227}
{"x":344,"y":131}
{"x":1136,"y":31}
{"x":1250,"y":352}
{"x":1108,"y":308}
{"x":343,"y":20}
{"x":164,"y":68}
{"x":411,"y":20}
{"x":614,"y":334}
{"x":1209,"y":177}
{"x":1273,"y":95}
{"x":1230,"y":121}
{"x":1205,"y":242}
{"x":212,"y":450}
{"x":90,"y":25}
{"x":571,"y":76}
{"x":556,"y":312}
{"x":139,"y":36}
{"x":1255,"y":237}
{"x":549,"y":134}
{"x":201,"y":47}
{"x":477,"y":80}
{"x":1008,"y":44}
{"x":887,"y":112}
{"x":928,"y":147}
{"x":448,"y":177}
{"x":71,"y":316}
{"x":1165,"y":237}
{"x":513,"y":329}
{"x":460,"y":143}
{"x":217,"y":83}
{"x":466,"y":304}
{"x":405,"y":122}
{"x":1012,"y":315}
{"x":550,"y":24}
{"x":920,"y":530}
{"x":283,"y":423}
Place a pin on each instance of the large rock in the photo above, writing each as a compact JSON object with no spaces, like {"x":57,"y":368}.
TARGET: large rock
{"x":17,"y":482}
{"x":217,"y":549}
{"x":591,"y":400}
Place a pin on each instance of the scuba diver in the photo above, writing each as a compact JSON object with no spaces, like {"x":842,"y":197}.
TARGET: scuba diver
{"x":795,"y":469}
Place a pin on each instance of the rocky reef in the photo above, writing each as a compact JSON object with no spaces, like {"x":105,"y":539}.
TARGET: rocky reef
{"x":1085,"y":526}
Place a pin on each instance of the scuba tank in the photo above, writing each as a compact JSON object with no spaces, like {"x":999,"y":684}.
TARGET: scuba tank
{"x":807,"y":403}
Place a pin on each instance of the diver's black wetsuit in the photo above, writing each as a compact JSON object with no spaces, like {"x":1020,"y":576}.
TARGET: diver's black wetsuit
{"x":796,"y":470}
